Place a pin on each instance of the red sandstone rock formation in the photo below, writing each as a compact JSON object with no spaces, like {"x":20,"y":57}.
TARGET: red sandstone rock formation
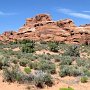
{"x":8,"y":36}
{"x":41,"y":27}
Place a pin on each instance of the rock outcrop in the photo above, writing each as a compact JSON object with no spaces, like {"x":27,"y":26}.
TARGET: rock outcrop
{"x":43,"y":28}
{"x":8,"y":36}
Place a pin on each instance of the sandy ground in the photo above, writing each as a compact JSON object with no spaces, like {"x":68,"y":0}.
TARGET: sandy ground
{"x":61,"y":82}
{"x":46,"y":52}
{"x":12,"y":86}
{"x":16,"y":49}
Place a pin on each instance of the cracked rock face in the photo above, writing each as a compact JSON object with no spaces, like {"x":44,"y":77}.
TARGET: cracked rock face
{"x":42,"y":27}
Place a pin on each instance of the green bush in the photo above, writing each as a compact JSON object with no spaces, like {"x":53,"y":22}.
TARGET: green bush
{"x":44,"y":57}
{"x":66,"y":70}
{"x":27,"y":70}
{"x":29,"y":78}
{"x":87,"y":73}
{"x":41,"y":78}
{"x":75,"y":71}
{"x":57,"y":58}
{"x":47,"y":66}
{"x":23,"y":62}
{"x":84,"y":79}
{"x":4,"y":62}
{"x":33,"y":65}
{"x":69,"y":88}
{"x":43,"y":42}
{"x":30,"y":64}
{"x":24,"y":41}
{"x":10,"y":52}
{"x":14,"y":60}
{"x":66,"y":60}
{"x":48,"y":80}
{"x":28,"y":47}
{"x":80,"y":62}
{"x":13,"y":74}
{"x":53,"y":46}
{"x":83,"y":63}
{"x":73,"y":51}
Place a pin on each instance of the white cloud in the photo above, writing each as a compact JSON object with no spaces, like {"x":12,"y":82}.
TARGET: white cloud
{"x":6,"y":14}
{"x":73,"y":13}
{"x":64,"y":10}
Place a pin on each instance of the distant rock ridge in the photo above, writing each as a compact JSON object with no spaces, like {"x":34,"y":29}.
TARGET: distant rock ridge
{"x":43,"y":28}
{"x":85,"y":25}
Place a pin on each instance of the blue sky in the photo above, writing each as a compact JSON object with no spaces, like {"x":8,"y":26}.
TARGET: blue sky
{"x":14,"y":12}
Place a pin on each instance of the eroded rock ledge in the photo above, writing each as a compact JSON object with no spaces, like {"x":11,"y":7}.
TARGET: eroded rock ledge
{"x":42,"y":27}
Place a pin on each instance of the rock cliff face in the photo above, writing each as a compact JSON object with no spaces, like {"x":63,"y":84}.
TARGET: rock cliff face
{"x":43,"y":28}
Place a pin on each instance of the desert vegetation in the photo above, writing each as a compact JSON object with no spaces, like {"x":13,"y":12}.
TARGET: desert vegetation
{"x":27,"y":66}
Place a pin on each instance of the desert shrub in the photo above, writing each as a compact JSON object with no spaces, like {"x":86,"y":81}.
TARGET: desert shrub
{"x":73,"y":51}
{"x":80,"y":62}
{"x":53,"y":46}
{"x":63,"y":47}
{"x":66,"y":70}
{"x":28,"y":47}
{"x":66,"y":60}
{"x":84,"y":79}
{"x":13,"y":45}
{"x":86,"y":49}
{"x":43,"y":42}
{"x":29,"y":78}
{"x":13,"y":42}
{"x":48,"y":80}
{"x":13,"y":74}
{"x":19,"y":55}
{"x":57,"y":58}
{"x":88,"y":63}
{"x":30,"y":64}
{"x":10,"y":52}
{"x":14,"y":60}
{"x":83,"y":63}
{"x":33,"y":65}
{"x":75,"y":71}
{"x":69,"y":88}
{"x":38,"y":79}
{"x":1,"y":43}
{"x":27,"y":70}
{"x":40,"y":46}
{"x":30,"y":56}
{"x":23,"y":62}
{"x":44,"y":57}
{"x":87,"y":73}
{"x":4,"y":62}
{"x":33,"y":58}
{"x":47,"y":66}
{"x":24,"y":41}
{"x":1,"y":64}
{"x":41,"y":78}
